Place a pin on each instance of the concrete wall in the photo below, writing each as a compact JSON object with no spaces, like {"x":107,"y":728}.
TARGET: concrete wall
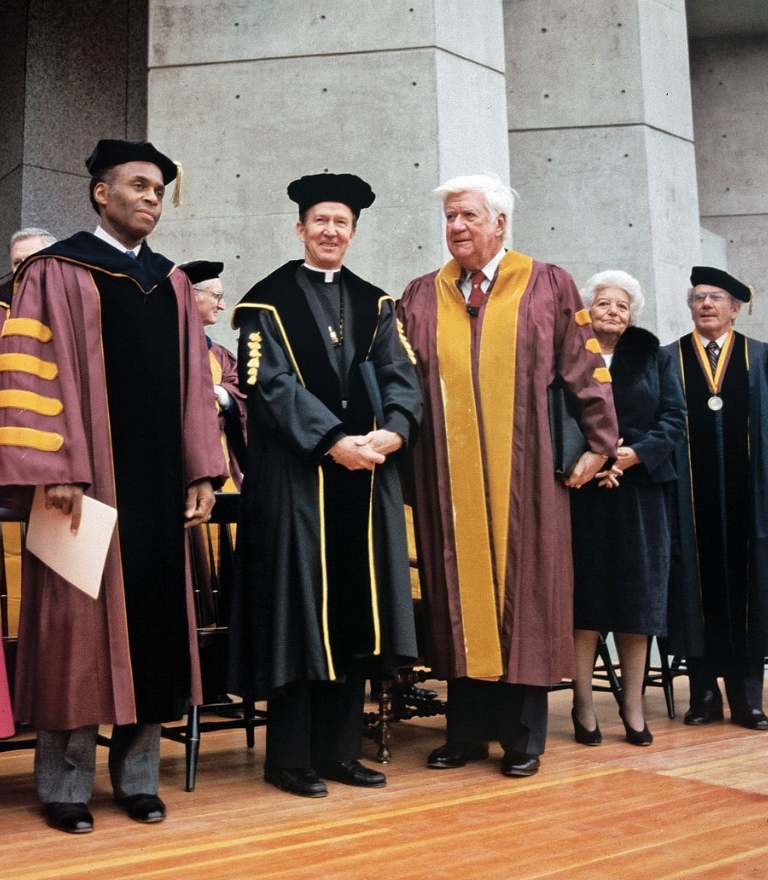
{"x":729,"y":80}
{"x":250,"y":96}
{"x":72,"y":73}
{"x":600,"y":138}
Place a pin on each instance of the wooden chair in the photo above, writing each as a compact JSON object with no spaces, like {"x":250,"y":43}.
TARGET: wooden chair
{"x":663,"y":675}
{"x":605,"y":673}
{"x":12,"y":531}
{"x":213,"y":572}
{"x":399,"y":699}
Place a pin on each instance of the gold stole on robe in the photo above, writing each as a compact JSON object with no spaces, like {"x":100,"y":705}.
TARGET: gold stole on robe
{"x":481,"y":591}
{"x":217,"y":374}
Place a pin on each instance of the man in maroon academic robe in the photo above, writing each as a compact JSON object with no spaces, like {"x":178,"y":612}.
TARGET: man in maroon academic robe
{"x":490,"y":331}
{"x":105,"y":391}
{"x":230,"y":400}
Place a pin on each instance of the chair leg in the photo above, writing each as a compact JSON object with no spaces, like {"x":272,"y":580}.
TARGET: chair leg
{"x":192,"y":745}
{"x":249,"y":715}
{"x":667,"y":679}
{"x":613,"y":680}
{"x":383,"y":734}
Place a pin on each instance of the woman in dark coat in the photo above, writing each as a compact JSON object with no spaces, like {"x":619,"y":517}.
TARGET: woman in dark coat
{"x":621,"y":533}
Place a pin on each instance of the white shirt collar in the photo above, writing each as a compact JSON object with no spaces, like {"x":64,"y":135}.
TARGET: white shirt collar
{"x":720,"y":340}
{"x":99,"y":232}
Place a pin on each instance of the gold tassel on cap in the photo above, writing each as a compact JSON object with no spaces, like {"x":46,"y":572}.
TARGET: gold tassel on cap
{"x":176,"y":198}
{"x":751,"y":297}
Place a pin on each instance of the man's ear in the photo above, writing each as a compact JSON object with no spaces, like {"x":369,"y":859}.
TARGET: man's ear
{"x":100,"y":192}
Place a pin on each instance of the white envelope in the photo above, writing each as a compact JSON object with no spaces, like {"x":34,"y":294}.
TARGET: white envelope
{"x":78,"y":558}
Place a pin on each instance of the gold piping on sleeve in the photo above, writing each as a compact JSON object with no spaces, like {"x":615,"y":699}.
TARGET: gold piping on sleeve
{"x":27,"y":363}
{"x":31,"y":438}
{"x":16,"y":398}
{"x":27,"y":327}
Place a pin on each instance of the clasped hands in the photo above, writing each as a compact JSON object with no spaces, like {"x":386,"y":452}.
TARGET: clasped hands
{"x":365,"y":451}
{"x":588,"y":467}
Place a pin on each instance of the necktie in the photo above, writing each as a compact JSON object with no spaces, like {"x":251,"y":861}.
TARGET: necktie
{"x":476,"y":295}
{"x":713,"y":353}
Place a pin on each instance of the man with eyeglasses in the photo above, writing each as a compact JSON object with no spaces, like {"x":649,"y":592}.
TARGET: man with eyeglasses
{"x":230,"y":401}
{"x":718,"y":614}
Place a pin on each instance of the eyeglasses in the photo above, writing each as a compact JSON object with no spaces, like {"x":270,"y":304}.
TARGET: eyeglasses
{"x":217,"y":297}
{"x":716,"y":297}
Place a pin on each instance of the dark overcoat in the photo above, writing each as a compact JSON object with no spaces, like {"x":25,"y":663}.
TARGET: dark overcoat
{"x":622,"y":536}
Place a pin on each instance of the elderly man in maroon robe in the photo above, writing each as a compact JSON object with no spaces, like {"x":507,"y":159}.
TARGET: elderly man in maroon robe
{"x":105,"y":390}
{"x":491,"y":330}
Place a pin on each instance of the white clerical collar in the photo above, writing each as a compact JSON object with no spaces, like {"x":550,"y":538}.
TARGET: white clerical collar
{"x":329,"y":275}
{"x":105,"y":236}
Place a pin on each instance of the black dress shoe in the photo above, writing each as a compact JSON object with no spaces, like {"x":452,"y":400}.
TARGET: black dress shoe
{"x":582,"y":735}
{"x":146,"y":808}
{"x":450,"y":756}
{"x":705,"y":710}
{"x":752,"y":719}
{"x":305,"y":783}
{"x":520,"y":764}
{"x":72,"y":818}
{"x":352,"y":773}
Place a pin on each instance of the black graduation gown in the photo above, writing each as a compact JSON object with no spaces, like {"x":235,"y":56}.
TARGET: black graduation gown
{"x":718,"y":599}
{"x":324,"y":565}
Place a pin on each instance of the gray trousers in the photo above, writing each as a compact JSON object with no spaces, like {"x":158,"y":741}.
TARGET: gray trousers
{"x":65,"y":762}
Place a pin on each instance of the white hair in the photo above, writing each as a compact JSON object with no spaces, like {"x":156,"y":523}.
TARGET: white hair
{"x":499,"y":198}
{"x":615,"y":278}
{"x":33,"y":232}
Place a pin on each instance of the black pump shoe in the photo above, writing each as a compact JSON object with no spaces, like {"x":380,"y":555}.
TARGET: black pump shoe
{"x":642,"y":737}
{"x":584,"y":736}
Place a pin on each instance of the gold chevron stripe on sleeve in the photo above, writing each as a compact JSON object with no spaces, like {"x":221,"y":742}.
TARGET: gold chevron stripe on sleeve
{"x":27,"y":327}
{"x":592,"y":345}
{"x":31,"y":438}
{"x":27,"y":363}
{"x":15,"y":398}
{"x":601,"y":374}
{"x":582,"y":317}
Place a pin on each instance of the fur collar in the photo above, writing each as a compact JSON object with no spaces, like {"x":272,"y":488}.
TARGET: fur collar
{"x":634,"y":353}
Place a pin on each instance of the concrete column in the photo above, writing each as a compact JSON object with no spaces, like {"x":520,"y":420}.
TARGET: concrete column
{"x":601,"y":143}
{"x":730,"y":114}
{"x":249,"y":96}
{"x":72,"y":73}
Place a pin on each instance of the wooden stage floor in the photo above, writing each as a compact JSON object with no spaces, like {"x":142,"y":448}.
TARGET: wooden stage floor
{"x":693,"y":805}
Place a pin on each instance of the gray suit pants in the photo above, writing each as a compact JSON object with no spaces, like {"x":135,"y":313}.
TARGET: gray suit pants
{"x":65,"y":762}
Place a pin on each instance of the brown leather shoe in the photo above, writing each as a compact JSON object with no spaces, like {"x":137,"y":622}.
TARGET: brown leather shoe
{"x":520,"y":764}
{"x":450,"y":756}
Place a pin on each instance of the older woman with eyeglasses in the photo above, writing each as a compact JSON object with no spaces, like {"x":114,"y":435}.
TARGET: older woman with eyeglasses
{"x":621,"y":533}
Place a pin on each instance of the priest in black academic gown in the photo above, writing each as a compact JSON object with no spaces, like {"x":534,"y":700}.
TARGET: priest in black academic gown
{"x":325,"y":596}
{"x":718,"y":612}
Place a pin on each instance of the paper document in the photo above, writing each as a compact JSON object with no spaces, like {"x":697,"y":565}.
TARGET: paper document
{"x":77,"y":558}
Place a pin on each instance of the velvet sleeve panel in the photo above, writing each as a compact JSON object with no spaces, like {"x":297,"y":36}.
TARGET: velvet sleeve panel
{"x":278,"y":400}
